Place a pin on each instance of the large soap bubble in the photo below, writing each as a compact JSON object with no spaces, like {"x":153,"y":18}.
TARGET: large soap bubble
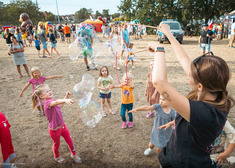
{"x":91,"y":113}
{"x":89,"y":109}
{"x":88,"y":44}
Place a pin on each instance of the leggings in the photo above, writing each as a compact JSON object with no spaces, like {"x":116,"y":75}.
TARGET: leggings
{"x":124,"y":108}
{"x":55,"y":136}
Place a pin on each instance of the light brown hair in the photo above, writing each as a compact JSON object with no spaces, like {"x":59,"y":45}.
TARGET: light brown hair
{"x":37,"y":92}
{"x":130,"y":45}
{"x":106,"y":69}
{"x":214,"y":76}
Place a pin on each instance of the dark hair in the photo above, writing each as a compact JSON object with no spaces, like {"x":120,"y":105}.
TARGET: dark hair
{"x":106,"y":69}
{"x":36,"y":37}
{"x":214,"y":76}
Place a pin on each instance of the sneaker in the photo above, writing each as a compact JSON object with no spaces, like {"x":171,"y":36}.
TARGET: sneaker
{"x":104,"y":114}
{"x":124,"y":124}
{"x":148,"y":151}
{"x":130,"y":124}
{"x":113,"y":112}
{"x":88,"y":68}
{"x":118,"y":68}
{"x":150,"y":114}
{"x":133,"y":67}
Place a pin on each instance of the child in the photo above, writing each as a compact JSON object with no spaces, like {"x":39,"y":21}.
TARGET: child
{"x":127,"y":99}
{"x":29,"y":39}
{"x":53,"y":43}
{"x":36,"y":80}
{"x":151,"y":92}
{"x":132,"y":55}
{"x":104,"y":84}
{"x":7,"y":154}
{"x":57,"y":127}
{"x":164,"y":114}
{"x":24,"y":36}
{"x":18,"y":36}
{"x":37,"y":45}
{"x":224,"y":145}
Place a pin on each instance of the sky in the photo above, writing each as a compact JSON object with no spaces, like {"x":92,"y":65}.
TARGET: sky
{"x":71,"y":6}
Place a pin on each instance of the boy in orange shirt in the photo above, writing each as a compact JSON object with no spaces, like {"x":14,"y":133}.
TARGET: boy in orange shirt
{"x":67,"y":33}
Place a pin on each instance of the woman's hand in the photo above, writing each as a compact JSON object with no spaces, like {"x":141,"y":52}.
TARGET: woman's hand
{"x":165,"y":29}
{"x":153,"y":45}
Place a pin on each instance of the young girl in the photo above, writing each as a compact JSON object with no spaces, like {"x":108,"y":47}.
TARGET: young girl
{"x":24,"y":36}
{"x":127,"y":99}
{"x":164,"y":114}
{"x":18,"y":36}
{"x":151,"y":92}
{"x":131,"y":57}
{"x":57,"y":127}
{"x":104,"y":84}
{"x":29,"y":39}
{"x":200,"y":117}
{"x":37,"y":45}
{"x":53,"y":43}
{"x":36,"y":80}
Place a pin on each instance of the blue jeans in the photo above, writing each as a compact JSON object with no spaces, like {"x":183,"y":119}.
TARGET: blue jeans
{"x":127,"y":107}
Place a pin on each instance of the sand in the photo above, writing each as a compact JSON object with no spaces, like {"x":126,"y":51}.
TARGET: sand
{"x":106,"y":145}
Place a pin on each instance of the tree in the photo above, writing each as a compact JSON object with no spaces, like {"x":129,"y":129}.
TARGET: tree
{"x":97,"y":14}
{"x":81,"y":15}
{"x":105,"y":13}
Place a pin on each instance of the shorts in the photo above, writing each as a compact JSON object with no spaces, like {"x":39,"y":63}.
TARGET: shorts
{"x":44,"y":45}
{"x":7,"y":163}
{"x":105,"y":96}
{"x":67,"y":35}
{"x":206,"y":47}
{"x":53,"y":45}
{"x":38,"y":48}
{"x":87,"y":52}
{"x":131,"y":57}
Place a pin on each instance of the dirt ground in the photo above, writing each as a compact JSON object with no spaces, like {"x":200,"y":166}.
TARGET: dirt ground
{"x":106,"y":145}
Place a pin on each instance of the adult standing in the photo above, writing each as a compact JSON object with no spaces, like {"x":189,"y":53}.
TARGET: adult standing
{"x":67,"y":33}
{"x":43,"y":37}
{"x":232,"y":34}
{"x":60,"y":30}
{"x":113,"y":39}
{"x":17,"y":50}
{"x":205,"y":39}
{"x":125,"y":36}
{"x":73,"y":28}
{"x":187,"y":30}
{"x":201,"y":115}
{"x":7,"y":37}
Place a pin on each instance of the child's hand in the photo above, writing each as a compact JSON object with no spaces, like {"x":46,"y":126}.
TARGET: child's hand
{"x":132,"y":111}
{"x":21,"y":94}
{"x":69,"y":101}
{"x":166,"y":126}
{"x":68,"y":94}
{"x":164,"y":28}
{"x":221,"y":158}
{"x":153,"y":45}
{"x":59,"y":76}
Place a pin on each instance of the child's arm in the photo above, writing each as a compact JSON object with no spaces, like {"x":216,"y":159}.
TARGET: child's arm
{"x":1,"y":157}
{"x":116,"y":86}
{"x":52,"y":77}
{"x":132,"y":86}
{"x":142,"y":108}
{"x":66,"y":97}
{"x":61,"y":102}
{"x":224,"y":155}
{"x":166,"y":126}
{"x":25,"y":87}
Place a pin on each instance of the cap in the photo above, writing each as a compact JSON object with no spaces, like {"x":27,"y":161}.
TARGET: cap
{"x":205,"y":24}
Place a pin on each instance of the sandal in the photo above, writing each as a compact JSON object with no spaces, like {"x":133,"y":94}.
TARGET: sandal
{"x":60,"y":160}
{"x":76,"y":158}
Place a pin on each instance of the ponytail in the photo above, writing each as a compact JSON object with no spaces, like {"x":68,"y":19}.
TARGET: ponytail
{"x":34,"y":100}
{"x":36,"y":94}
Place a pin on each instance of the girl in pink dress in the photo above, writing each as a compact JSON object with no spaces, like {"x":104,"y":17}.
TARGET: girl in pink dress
{"x":151,"y":92}
{"x":36,"y":80}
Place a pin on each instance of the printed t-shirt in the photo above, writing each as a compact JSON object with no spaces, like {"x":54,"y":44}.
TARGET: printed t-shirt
{"x":190,"y":143}
{"x":104,"y":83}
{"x":53,"y":114}
{"x":36,"y":82}
{"x":42,"y":34}
{"x":86,"y":34}
{"x":5,"y":137}
{"x":127,"y":94}
{"x":66,"y":30}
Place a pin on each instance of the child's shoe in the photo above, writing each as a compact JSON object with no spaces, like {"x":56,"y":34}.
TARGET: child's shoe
{"x":104,"y":114}
{"x":133,"y":67}
{"x":130,"y":124}
{"x":148,"y":151}
{"x":113,"y":112}
{"x":150,"y":114}
{"x":76,"y":158}
{"x":124,"y":124}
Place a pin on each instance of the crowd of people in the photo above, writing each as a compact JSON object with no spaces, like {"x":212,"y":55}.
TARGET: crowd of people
{"x":185,"y":130}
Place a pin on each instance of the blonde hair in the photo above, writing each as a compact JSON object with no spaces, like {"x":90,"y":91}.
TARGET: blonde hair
{"x":37,"y":92}
{"x":128,"y":75}
{"x":34,"y":69}
{"x":213,"y":73}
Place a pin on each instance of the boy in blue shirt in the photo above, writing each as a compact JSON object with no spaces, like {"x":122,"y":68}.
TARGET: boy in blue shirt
{"x":37,"y":45}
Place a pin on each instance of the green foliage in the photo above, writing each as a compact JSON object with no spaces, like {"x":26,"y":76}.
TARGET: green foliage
{"x":10,"y":13}
{"x":105,"y":13}
{"x":81,"y":15}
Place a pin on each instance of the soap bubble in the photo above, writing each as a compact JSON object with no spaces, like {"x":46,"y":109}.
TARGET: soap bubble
{"x":79,"y":47}
{"x":91,"y":114}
